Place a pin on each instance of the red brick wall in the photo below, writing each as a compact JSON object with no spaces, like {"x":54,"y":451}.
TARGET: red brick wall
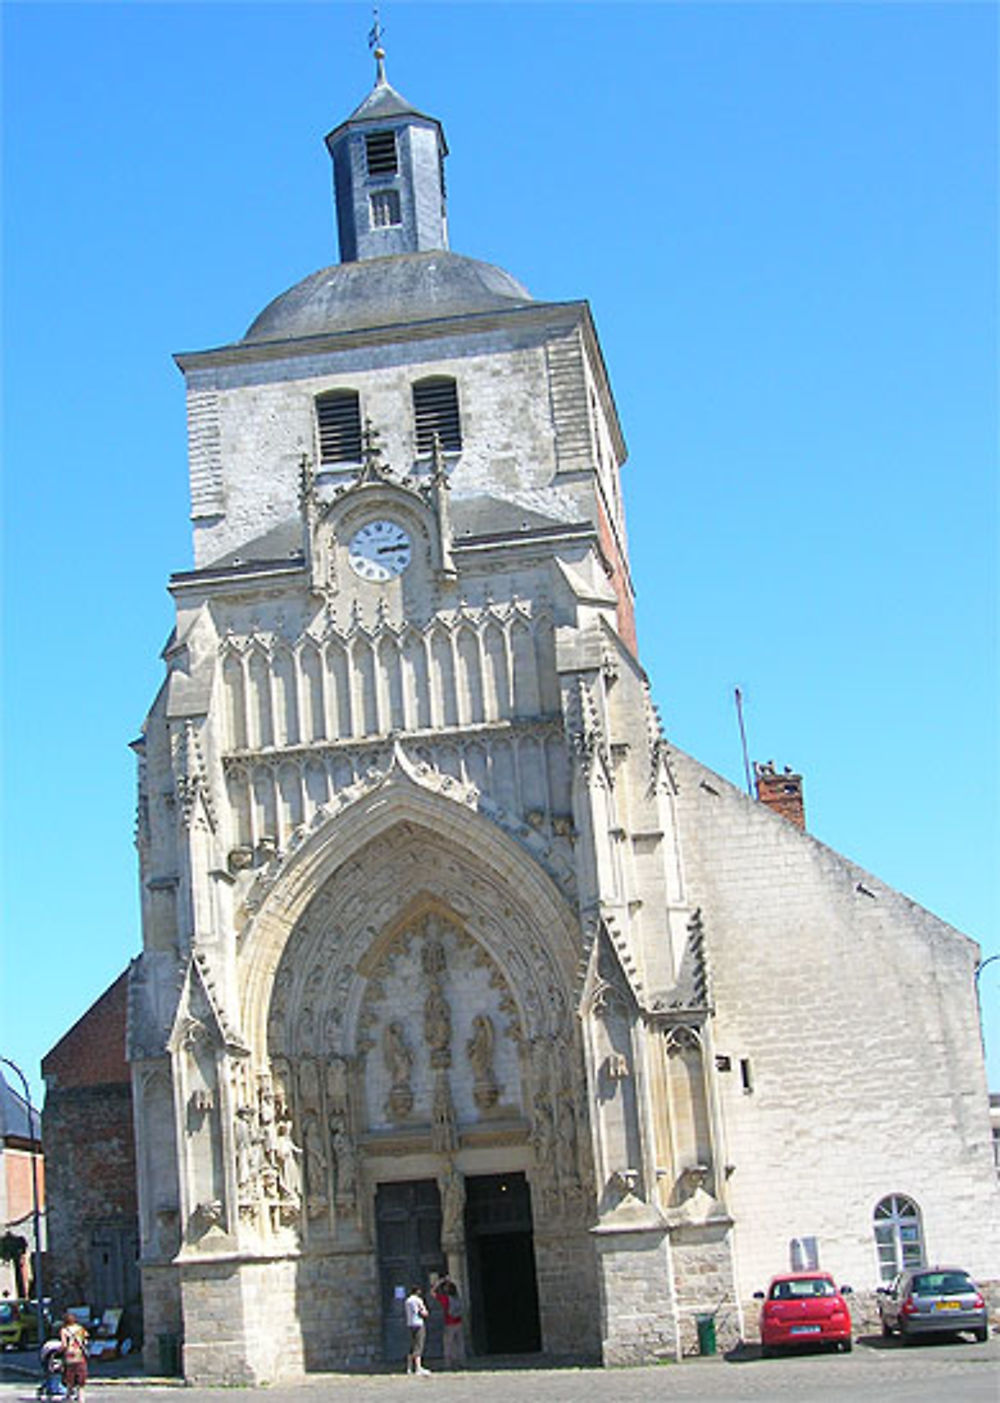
{"x":90,"y":1153}
{"x":88,"y":1139}
{"x":92,"y":1053}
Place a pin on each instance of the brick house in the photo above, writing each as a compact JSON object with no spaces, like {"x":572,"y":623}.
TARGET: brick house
{"x":89,"y":1141}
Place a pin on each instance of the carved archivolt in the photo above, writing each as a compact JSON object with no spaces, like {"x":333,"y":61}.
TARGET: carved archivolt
{"x":335,"y":956}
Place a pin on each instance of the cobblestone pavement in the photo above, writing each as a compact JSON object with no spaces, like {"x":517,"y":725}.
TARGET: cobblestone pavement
{"x":939,"y":1372}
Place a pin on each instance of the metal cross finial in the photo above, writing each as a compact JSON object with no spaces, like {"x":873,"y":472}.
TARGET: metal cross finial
{"x":375,"y":44}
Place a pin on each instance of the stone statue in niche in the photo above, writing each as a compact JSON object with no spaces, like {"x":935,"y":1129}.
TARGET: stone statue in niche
{"x":479,"y":1048}
{"x":398,"y":1057}
{"x":566,"y":1139}
{"x":444,"y":1137}
{"x":308,"y":1084}
{"x":247,"y":1152}
{"x":315,"y":1167}
{"x":399,"y":1063}
{"x":336,"y":1084}
{"x":452,"y":1187}
{"x":437,"y":1014}
{"x":280,"y":1082}
{"x":288,"y":1169}
{"x":437,"y":1026}
{"x":267,"y":1146}
{"x":345,"y":1163}
{"x":543,"y":1132}
{"x":433,"y":958}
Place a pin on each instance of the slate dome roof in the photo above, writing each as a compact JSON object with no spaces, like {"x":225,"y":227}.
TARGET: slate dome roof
{"x":409,"y":287}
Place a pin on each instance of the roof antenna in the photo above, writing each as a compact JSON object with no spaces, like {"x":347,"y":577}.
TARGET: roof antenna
{"x":743,"y":738}
{"x":375,"y":44}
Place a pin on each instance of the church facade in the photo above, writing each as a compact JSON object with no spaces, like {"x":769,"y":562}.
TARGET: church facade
{"x":450,"y":959}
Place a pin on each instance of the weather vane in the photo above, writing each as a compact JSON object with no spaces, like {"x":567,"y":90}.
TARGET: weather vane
{"x":375,"y":44}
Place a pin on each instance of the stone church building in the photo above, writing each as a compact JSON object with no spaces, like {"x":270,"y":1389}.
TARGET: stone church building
{"x":450,"y":957}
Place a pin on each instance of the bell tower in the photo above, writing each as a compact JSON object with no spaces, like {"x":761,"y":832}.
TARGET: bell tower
{"x":388,"y":176}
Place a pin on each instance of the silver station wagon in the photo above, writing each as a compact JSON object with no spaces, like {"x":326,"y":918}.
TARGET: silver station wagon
{"x":929,"y":1300}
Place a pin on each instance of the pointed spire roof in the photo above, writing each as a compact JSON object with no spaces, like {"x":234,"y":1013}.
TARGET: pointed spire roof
{"x":384,"y":102}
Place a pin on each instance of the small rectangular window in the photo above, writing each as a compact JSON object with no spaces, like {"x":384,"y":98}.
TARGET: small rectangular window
{"x":338,"y":419}
{"x":385,"y":209}
{"x":435,"y":411}
{"x":380,"y":151}
{"x":746,"y":1075}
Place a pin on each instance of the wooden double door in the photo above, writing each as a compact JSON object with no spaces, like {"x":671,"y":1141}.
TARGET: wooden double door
{"x":502,"y":1309}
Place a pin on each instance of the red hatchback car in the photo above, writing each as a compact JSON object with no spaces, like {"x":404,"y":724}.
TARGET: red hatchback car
{"x":802,"y":1308}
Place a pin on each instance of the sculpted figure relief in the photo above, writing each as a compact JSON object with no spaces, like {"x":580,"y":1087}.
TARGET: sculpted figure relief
{"x":437,"y":1022}
{"x":287,"y":1156}
{"x":336,"y":1083}
{"x":399,"y":1062}
{"x":398,"y":1057}
{"x":480,"y":1052}
{"x":543,"y":1132}
{"x":566,"y":1139}
{"x":452,"y":1205}
{"x":247,"y":1151}
{"x":345,"y":1166}
{"x":315,"y":1166}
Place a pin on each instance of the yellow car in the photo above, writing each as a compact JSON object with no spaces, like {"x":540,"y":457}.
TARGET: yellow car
{"x":18,"y":1324}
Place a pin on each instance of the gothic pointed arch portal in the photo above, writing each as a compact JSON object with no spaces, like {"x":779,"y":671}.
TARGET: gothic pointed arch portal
{"x":415,"y":1021}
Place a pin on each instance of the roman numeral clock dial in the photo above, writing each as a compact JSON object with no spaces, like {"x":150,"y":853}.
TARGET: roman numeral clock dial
{"x":379,"y":551}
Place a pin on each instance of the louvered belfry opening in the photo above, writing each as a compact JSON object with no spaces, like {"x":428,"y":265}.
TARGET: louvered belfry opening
{"x":435,"y":411}
{"x":338,"y":417}
{"x":380,"y":150}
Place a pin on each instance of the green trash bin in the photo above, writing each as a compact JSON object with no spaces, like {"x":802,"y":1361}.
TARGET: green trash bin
{"x":170,"y":1355}
{"x":706,"y":1333}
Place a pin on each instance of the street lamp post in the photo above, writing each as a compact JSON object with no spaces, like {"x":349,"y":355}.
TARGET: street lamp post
{"x":36,"y":1217}
{"x":982,"y":965}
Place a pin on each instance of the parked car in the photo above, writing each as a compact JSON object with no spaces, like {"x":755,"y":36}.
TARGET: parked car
{"x":929,"y":1300}
{"x":802,"y":1308}
{"x":19,"y":1323}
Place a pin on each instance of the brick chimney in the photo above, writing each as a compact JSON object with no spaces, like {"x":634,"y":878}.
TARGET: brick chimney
{"x":781,"y":793}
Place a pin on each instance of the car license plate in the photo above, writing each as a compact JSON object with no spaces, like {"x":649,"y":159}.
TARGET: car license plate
{"x":804,"y":1330}
{"x":948,"y":1305}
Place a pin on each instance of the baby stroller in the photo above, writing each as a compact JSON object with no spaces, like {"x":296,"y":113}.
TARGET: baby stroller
{"x":51,"y":1385}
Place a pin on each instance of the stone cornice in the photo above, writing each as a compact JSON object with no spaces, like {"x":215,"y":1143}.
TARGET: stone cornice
{"x":538,"y":314}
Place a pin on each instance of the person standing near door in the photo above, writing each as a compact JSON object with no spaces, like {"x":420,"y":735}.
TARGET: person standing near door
{"x":416,"y":1322}
{"x":446,"y":1294}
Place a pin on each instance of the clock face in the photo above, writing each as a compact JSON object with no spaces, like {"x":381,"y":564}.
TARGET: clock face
{"x":379,"y":551}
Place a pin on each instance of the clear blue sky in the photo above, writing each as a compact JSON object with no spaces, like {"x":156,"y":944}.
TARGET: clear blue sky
{"x":784,"y":217}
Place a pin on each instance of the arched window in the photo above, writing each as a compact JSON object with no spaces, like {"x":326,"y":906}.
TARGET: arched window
{"x":338,"y":423}
{"x":899,"y":1239}
{"x":435,"y":411}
